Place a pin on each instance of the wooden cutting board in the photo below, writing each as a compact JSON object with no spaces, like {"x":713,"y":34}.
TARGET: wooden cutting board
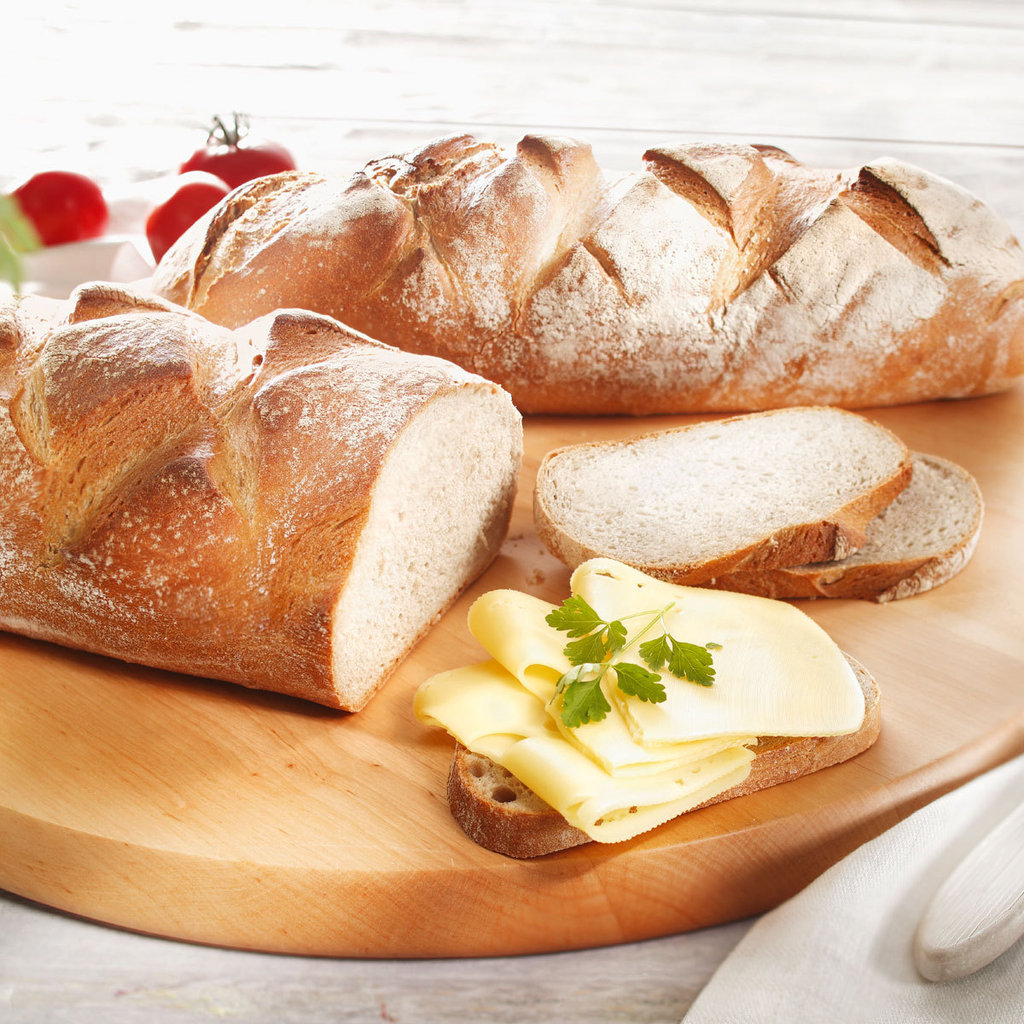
{"x":206,"y":812}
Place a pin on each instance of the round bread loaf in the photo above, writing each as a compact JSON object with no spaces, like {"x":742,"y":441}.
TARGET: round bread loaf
{"x":718,"y":278}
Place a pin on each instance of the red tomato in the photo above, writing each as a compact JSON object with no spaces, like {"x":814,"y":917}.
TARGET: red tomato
{"x":194,"y":194}
{"x":63,"y":206}
{"x":235,"y":158}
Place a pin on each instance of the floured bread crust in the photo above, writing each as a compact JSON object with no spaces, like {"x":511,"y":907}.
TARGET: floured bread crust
{"x":193,"y":498}
{"x":718,"y":278}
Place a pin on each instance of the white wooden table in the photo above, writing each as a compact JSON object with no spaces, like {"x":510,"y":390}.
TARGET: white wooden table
{"x":123,"y":92}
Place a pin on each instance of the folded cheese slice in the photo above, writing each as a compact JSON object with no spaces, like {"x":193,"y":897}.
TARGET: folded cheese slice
{"x":491,"y":713}
{"x":511,"y":626}
{"x":778,"y":673}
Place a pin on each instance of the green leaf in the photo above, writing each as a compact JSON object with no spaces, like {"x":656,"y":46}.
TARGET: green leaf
{"x":582,"y":699}
{"x":575,"y":617}
{"x":593,"y":648}
{"x":598,"y":646}
{"x":17,"y":236}
{"x":656,"y":652}
{"x":687,"y":661}
{"x":691,"y":662}
{"x":597,"y":639}
{"x":636,"y":681}
{"x":616,"y":635}
{"x":592,"y":651}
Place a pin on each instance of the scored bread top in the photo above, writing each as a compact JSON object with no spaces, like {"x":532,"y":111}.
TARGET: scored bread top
{"x":716,"y":278}
{"x":189,"y":497}
{"x":689,"y":504}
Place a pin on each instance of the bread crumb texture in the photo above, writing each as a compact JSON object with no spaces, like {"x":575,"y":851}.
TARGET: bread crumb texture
{"x":193,"y":497}
{"x":695,"y":501}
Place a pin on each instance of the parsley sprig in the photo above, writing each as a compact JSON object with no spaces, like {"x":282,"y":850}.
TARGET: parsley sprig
{"x":594,"y":650}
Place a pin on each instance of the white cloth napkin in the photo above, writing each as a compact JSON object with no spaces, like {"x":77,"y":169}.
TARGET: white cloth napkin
{"x":841,"y":951}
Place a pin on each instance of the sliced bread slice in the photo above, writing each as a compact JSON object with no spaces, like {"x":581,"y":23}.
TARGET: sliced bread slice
{"x":924,"y":538}
{"x":687,"y":505}
{"x":499,"y":813}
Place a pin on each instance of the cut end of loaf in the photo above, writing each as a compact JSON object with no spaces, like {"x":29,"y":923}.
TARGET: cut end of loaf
{"x":439,"y":512}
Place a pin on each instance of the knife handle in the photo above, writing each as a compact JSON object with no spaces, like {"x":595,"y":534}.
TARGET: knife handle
{"x":978,"y":912}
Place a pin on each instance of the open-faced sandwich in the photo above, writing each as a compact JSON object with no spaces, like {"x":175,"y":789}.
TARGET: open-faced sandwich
{"x":633,"y":702}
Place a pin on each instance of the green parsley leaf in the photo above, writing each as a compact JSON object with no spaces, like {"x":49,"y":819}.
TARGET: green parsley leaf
{"x":592,"y":652}
{"x":598,"y":639}
{"x":636,"y":681}
{"x":593,"y":648}
{"x":656,"y":652}
{"x":575,"y":617}
{"x":687,"y":661}
{"x":582,"y":699}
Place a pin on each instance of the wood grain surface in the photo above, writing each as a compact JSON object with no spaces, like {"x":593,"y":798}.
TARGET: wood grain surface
{"x":200,"y":810}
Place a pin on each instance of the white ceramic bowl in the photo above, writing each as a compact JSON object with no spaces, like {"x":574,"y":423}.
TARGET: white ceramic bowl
{"x":58,"y":269}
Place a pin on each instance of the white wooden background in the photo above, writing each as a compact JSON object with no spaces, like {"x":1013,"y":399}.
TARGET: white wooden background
{"x":123,"y":92}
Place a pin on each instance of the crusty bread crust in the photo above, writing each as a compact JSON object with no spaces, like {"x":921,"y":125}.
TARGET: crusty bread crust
{"x":835,"y":536}
{"x":879,"y":573}
{"x":499,"y":813}
{"x":186,"y":497}
{"x":718,"y":278}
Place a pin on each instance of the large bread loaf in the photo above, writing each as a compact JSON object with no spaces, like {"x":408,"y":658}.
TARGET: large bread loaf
{"x":719,"y":278}
{"x":288,"y":505}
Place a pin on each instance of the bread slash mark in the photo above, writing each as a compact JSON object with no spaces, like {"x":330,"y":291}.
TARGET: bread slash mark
{"x":890,"y":215}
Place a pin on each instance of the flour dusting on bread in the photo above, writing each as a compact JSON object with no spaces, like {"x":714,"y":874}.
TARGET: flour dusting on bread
{"x":205,"y":500}
{"x":716,"y":278}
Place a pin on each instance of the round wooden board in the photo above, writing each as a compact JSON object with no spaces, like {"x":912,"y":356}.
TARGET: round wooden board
{"x":206,"y":812}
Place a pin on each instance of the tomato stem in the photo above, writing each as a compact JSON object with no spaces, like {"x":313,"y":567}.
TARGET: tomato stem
{"x":228,"y":136}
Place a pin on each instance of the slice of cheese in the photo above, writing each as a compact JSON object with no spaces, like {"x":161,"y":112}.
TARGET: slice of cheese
{"x":511,"y":627}
{"x":480,"y":701}
{"x":610,"y":744}
{"x":777,"y":674}
{"x":611,"y":809}
{"x":487,"y":710}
